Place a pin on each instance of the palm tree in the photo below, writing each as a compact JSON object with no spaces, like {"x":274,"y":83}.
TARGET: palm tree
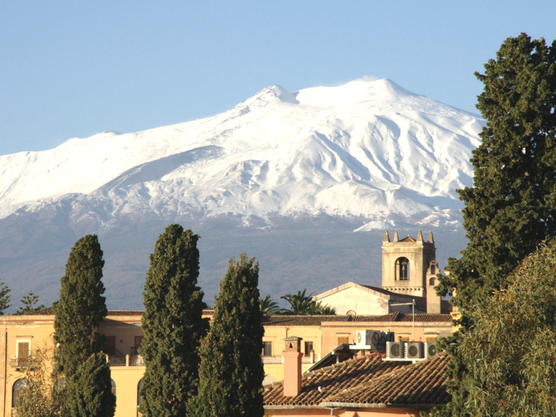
{"x":323,"y":309}
{"x":302,"y":304}
{"x":268,"y":306}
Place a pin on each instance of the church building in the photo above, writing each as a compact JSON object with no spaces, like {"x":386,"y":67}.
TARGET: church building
{"x":409,"y":269}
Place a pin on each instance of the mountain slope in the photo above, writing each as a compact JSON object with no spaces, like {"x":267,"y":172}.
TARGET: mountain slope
{"x":364,"y":156}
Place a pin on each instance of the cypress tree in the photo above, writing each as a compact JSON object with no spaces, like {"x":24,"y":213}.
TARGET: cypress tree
{"x":90,"y":392}
{"x":511,"y":207}
{"x":231,"y":371}
{"x":172,"y":325}
{"x":81,"y":306}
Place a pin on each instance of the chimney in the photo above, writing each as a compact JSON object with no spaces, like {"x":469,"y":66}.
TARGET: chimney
{"x":292,"y":366}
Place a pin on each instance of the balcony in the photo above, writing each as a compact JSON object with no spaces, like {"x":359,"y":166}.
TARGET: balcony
{"x":19,"y":363}
{"x":119,"y":359}
{"x":279,"y":358}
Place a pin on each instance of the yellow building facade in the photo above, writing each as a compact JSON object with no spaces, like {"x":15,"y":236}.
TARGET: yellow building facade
{"x":22,"y":335}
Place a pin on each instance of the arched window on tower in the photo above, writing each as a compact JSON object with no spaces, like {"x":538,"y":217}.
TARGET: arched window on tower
{"x":402,"y":269}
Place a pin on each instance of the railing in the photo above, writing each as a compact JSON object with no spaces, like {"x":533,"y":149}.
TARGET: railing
{"x":19,"y":362}
{"x":272,"y":359}
{"x":127,"y":360}
{"x":279,"y":359}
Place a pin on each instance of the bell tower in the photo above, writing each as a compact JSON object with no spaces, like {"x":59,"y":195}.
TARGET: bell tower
{"x":406,"y":264}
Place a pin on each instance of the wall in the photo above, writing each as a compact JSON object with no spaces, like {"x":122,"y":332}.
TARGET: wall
{"x":273,"y":366}
{"x":354,"y":297}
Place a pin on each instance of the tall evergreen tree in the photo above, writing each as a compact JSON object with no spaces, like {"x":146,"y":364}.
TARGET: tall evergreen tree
{"x":89,"y":394}
{"x":231,"y":371}
{"x":172,"y":325}
{"x":30,"y":304}
{"x":81,"y":306}
{"x":511,"y":206}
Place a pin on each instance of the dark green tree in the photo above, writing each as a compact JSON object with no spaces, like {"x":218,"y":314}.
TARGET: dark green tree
{"x":172,"y":325}
{"x":30,"y":304}
{"x":511,"y":207}
{"x":231,"y":371}
{"x":89,"y":394}
{"x":81,"y":306}
{"x":5,"y":298}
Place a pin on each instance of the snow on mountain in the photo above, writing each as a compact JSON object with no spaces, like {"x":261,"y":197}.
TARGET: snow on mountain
{"x":368,"y":149}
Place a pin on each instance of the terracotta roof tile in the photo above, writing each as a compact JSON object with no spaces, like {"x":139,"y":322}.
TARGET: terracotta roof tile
{"x":423,"y":383}
{"x":424,"y":317}
{"x":44,"y":312}
{"x":319,"y":385}
{"x":279,"y":320}
{"x":49,"y":311}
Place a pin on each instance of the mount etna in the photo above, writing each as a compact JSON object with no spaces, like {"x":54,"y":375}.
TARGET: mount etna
{"x":307,"y":182}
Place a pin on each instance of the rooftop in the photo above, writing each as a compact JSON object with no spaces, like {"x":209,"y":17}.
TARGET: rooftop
{"x":319,"y":385}
{"x":369,"y":382}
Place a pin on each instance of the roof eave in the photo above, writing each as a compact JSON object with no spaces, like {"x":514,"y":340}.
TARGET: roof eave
{"x":294,"y":407}
{"x":359,"y":405}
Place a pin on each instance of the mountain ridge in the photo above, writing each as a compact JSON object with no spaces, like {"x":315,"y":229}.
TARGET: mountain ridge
{"x":262,"y":158}
{"x":279,"y":173}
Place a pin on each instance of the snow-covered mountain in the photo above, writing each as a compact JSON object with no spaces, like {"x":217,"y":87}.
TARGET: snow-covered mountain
{"x":367,"y":151}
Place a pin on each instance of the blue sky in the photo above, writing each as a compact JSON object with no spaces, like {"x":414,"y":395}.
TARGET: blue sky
{"x":76,"y":68}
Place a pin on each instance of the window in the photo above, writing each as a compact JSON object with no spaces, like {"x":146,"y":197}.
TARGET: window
{"x":267,"y":348}
{"x":23,"y":351}
{"x":308,"y":348}
{"x":343,"y":339}
{"x":113,"y":385}
{"x":139,"y":398}
{"x":138,"y":341}
{"x":17,"y":390}
{"x":110,"y":345}
{"x":402,"y":269}
{"x":433,"y":269}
